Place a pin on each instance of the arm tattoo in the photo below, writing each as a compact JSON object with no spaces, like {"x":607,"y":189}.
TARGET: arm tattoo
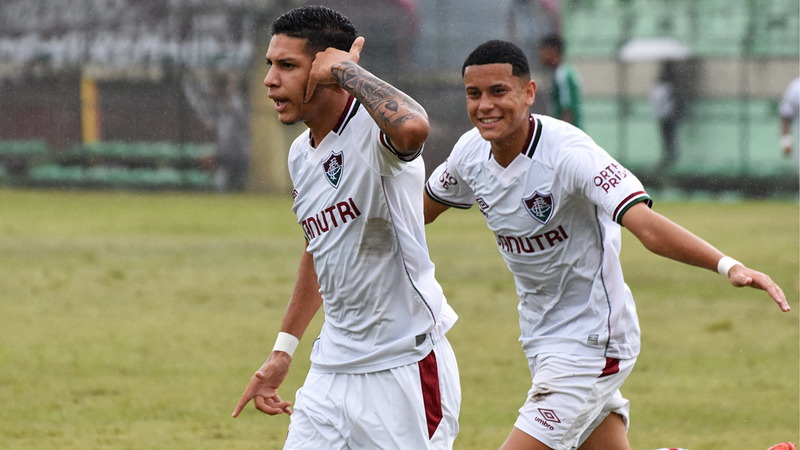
{"x":386,"y":104}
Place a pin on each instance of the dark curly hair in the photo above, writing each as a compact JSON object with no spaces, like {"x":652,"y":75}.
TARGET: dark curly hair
{"x":499,"y":52}
{"x":322,"y":27}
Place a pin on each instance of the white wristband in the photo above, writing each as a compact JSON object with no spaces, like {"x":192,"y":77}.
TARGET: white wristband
{"x":286,"y":343}
{"x":724,"y":265}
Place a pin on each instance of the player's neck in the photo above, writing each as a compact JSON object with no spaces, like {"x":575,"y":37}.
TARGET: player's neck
{"x":506,"y":150}
{"x":331,"y":106}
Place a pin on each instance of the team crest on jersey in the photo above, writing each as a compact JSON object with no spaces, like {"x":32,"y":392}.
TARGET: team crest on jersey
{"x":333,"y":167}
{"x":540,"y":206}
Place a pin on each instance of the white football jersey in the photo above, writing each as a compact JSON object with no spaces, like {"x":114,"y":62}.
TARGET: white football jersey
{"x":360,"y":206}
{"x":554,"y":212}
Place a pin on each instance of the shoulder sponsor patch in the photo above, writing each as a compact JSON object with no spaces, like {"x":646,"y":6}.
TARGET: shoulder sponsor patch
{"x":333,"y":167}
{"x":540,"y":206}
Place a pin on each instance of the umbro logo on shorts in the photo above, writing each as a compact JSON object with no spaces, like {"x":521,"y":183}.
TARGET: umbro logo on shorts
{"x":548,"y":415}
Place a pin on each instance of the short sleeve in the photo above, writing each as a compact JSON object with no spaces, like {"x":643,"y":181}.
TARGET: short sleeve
{"x":446,"y":186}
{"x":376,"y":148}
{"x":600,"y":178}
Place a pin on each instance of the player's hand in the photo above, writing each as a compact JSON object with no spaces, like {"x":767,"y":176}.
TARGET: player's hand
{"x":325,"y":61}
{"x":740,"y":275}
{"x":263,"y":387}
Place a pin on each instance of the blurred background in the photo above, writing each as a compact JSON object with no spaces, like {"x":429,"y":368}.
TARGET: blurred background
{"x":168,"y":94}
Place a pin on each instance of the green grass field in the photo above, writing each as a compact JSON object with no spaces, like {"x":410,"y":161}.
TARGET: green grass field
{"x":132,"y":321}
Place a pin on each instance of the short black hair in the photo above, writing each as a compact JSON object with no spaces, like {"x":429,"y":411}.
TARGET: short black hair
{"x":499,"y":52}
{"x":321,"y":26}
{"x":553,"y":40}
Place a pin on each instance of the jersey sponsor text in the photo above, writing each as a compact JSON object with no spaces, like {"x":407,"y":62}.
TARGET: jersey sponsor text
{"x":610,"y":177}
{"x":329,"y":218}
{"x":446,"y":179}
{"x":532,"y":244}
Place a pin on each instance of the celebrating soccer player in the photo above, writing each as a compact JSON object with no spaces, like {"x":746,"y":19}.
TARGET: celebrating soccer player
{"x":382,"y":373}
{"x":555,"y":201}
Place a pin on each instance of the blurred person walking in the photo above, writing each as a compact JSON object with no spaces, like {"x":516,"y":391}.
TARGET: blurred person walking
{"x":668,"y":107}
{"x":219,"y":103}
{"x":556,"y":202}
{"x":566,"y":102}
{"x":528,"y":20}
{"x":789,"y":110}
{"x":383,"y":374}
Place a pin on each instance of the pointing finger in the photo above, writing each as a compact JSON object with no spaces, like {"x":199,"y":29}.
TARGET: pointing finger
{"x":240,"y":406}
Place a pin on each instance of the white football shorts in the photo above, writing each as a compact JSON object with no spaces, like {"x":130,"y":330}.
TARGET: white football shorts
{"x":409,"y":407}
{"x":570,"y":396}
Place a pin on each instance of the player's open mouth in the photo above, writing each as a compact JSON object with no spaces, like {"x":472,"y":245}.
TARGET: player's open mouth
{"x":280,"y":104}
{"x":490,"y":121}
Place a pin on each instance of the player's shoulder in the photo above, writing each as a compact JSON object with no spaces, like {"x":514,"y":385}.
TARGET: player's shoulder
{"x":562,"y":137}
{"x":563,"y":144}
{"x":299,"y":144}
{"x":356,"y":120}
{"x":471,"y":146}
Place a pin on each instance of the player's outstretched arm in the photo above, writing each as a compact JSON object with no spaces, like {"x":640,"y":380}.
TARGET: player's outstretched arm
{"x":399,"y":116}
{"x":262,"y":388}
{"x":666,"y":238}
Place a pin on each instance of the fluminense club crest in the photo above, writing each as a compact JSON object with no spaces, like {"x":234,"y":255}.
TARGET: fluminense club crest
{"x":540,"y":206}
{"x":333,"y":167}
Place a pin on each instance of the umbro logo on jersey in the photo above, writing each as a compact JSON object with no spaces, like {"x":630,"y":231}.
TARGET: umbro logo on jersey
{"x":540,"y":206}
{"x":333,"y":167}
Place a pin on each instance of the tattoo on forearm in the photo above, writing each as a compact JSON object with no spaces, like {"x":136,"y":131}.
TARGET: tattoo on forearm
{"x":387,"y":105}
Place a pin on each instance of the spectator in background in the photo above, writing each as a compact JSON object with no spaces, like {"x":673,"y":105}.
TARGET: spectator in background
{"x":565,"y":96}
{"x":528,"y":20}
{"x":668,"y":106}
{"x":220,"y":105}
{"x":789,"y":109}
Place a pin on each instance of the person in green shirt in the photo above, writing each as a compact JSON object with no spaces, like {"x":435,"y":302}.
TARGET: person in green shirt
{"x":565,"y":95}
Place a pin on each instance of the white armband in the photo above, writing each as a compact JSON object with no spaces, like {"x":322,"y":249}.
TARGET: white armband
{"x":286,"y":343}
{"x":724,"y":265}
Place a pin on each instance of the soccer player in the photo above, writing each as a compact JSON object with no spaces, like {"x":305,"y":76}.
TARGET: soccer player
{"x":555,"y":201}
{"x":565,"y":95}
{"x":383,"y":374}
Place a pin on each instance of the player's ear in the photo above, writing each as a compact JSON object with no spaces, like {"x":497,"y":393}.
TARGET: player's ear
{"x":530,"y":91}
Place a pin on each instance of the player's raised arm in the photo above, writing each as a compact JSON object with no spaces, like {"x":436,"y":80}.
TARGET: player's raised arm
{"x":666,"y":238}
{"x":399,"y":116}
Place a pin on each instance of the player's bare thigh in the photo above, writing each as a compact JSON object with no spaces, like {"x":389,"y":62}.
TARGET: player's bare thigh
{"x":609,"y":435}
{"x":519,"y":440}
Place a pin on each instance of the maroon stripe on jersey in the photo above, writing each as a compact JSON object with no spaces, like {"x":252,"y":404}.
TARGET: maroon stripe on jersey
{"x":623,"y":204}
{"x":387,"y":143}
{"x":438,"y":199}
{"x":431,"y":396}
{"x":612,"y":367}
{"x":345,"y":114}
{"x":530,"y":142}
